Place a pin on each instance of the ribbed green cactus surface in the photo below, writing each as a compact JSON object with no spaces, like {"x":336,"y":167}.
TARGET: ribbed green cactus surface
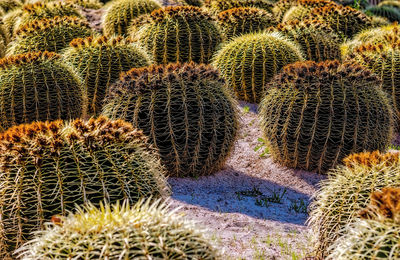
{"x":49,"y":35}
{"x":218,"y":6}
{"x":180,"y":34}
{"x":49,"y":168}
{"x":120,"y":14}
{"x":38,"y":87}
{"x":347,"y":191}
{"x":141,"y":231}
{"x":185,"y":110}
{"x":315,"y":114}
{"x":100,"y":61}
{"x":389,"y":12}
{"x":249,"y":62}
{"x":283,"y":6}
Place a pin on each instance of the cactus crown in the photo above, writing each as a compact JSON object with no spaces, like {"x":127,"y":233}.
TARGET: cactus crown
{"x":384,"y":204}
{"x":369,"y":159}
{"x":27,"y":58}
{"x":223,"y":5}
{"x":174,"y":12}
{"x":240,"y":13}
{"x":99,"y":41}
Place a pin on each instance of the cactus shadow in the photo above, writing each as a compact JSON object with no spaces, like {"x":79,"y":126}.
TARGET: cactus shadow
{"x":232,"y":191}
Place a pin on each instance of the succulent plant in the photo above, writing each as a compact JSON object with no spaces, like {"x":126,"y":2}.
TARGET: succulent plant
{"x":317,"y":40}
{"x":142,"y":231}
{"x":100,"y":61}
{"x":9,"y":21}
{"x":120,"y":14}
{"x":49,"y":35}
{"x":346,"y":191}
{"x":4,"y":38}
{"x":249,"y":62}
{"x":9,"y":5}
{"x":197,"y":3}
{"x":392,"y":3}
{"x":345,"y":21}
{"x":306,"y":128}
{"x":186,"y":111}
{"x":377,"y":21}
{"x":37,"y":87}
{"x":179,"y":34}
{"x":297,"y":12}
{"x":384,"y":61}
{"x":48,"y":168}
{"x":217,"y":6}
{"x":376,"y":236}
{"x":389,"y":12}
{"x":282,"y":6}
{"x":242,"y":20}
{"x":90,"y":4}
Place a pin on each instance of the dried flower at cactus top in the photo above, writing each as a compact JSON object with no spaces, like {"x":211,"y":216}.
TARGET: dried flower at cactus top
{"x":46,"y":168}
{"x":384,"y":204}
{"x":141,"y":231}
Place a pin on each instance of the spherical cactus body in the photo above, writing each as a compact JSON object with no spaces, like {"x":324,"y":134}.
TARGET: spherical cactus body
{"x":307,"y":128}
{"x":297,"y":12}
{"x":100,"y":61}
{"x":38,"y":87}
{"x":49,"y":35}
{"x":283,"y":6}
{"x":180,"y":34}
{"x":249,"y":62}
{"x":218,"y":6}
{"x":317,"y":41}
{"x":120,"y":14}
{"x":186,"y":111}
{"x":9,"y":5}
{"x":141,"y":231}
{"x":389,"y":12}
{"x":48,"y":168}
{"x":237,"y":21}
{"x":347,"y":191}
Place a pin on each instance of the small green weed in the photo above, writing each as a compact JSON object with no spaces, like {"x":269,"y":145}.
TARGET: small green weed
{"x":262,"y":143}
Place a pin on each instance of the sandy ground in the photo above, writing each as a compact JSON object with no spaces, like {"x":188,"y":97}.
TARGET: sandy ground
{"x":231,"y":203}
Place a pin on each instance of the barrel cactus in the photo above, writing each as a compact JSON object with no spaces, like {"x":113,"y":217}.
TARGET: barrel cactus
{"x":90,"y":4}
{"x":306,"y":128}
{"x":217,"y":6}
{"x":346,"y":21}
{"x":389,"y":12}
{"x":383,"y":61}
{"x":49,"y":35}
{"x":197,"y":3}
{"x":347,"y":191}
{"x":120,"y":14}
{"x":317,"y":40}
{"x":48,"y":168}
{"x":37,"y":87}
{"x":100,"y":61}
{"x":283,"y":6}
{"x":391,"y":3}
{"x":297,"y":12}
{"x":180,"y":34}
{"x":9,"y":21}
{"x":9,"y":5}
{"x":243,"y":20}
{"x":249,"y":62}
{"x":142,"y":231}
{"x":376,"y":235}
{"x":186,"y":111}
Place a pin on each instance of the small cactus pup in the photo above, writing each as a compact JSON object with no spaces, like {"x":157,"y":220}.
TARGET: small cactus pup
{"x":376,"y":235}
{"x":46,"y":168}
{"x":307,"y":128}
{"x":120,"y":14}
{"x":237,"y":21}
{"x":49,"y":35}
{"x":384,"y":61}
{"x":317,"y":40}
{"x":100,"y":61}
{"x":249,"y":62}
{"x":217,"y":6}
{"x":179,"y":34}
{"x":186,"y":111}
{"x":346,"y":192}
{"x":37,"y":87}
{"x":142,"y":231}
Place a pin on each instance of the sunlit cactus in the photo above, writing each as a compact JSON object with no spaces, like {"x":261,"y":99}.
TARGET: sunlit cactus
{"x":237,"y":21}
{"x":49,"y":168}
{"x":307,"y":128}
{"x":120,"y":14}
{"x":317,"y":40}
{"x":249,"y":62}
{"x":91,"y":4}
{"x":297,"y":12}
{"x":49,"y":35}
{"x":218,"y":6}
{"x":38,"y":87}
{"x":179,"y":34}
{"x":100,"y":61}
{"x":282,"y":6}
{"x":186,"y":111}
{"x":9,"y":5}
{"x":347,"y":191}
{"x":141,"y":231}
{"x":10,"y":20}
{"x":376,"y":235}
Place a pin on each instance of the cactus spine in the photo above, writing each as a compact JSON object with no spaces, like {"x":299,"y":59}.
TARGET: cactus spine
{"x":389,"y":12}
{"x":184,"y":109}
{"x":38,"y":87}
{"x":307,"y":128}
{"x":249,"y":62}
{"x":180,"y":34}
{"x":48,"y":168}
{"x":100,"y":61}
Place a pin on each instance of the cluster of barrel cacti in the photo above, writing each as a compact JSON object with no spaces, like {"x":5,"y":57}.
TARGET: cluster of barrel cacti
{"x":99,"y":115}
